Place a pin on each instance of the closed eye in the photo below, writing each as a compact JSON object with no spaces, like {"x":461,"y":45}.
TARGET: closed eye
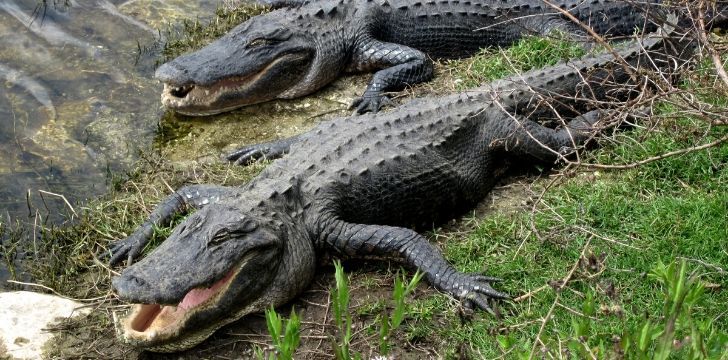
{"x":259,"y":42}
{"x":219,"y":237}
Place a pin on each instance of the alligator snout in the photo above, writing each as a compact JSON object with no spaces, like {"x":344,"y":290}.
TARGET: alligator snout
{"x":171,"y":73}
{"x":177,"y":82}
{"x":134,"y":288}
{"x":129,"y":284}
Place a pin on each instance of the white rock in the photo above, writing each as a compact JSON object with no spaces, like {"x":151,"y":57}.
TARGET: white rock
{"x":23,"y":317}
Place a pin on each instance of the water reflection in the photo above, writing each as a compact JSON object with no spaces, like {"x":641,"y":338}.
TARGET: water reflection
{"x":76,"y":98}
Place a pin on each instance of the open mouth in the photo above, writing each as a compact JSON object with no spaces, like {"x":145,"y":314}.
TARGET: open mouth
{"x":194,"y":99}
{"x":149,"y":322}
{"x":178,"y":91}
{"x":200,"y":100}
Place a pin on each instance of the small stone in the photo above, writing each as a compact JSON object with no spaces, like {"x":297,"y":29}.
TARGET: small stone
{"x":25,"y":315}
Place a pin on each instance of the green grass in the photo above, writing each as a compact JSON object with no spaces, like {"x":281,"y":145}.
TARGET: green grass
{"x":626,"y":223}
{"x":659,"y":212}
{"x":526,"y":54}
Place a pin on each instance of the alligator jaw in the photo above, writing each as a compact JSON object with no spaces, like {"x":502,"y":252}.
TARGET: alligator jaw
{"x":202,"y":100}
{"x":182,"y":98}
{"x":151,"y":319}
{"x":152,"y":325}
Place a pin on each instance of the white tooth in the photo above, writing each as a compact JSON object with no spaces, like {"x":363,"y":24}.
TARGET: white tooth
{"x":207,"y":92}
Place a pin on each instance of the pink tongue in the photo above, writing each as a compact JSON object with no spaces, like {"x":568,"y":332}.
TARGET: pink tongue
{"x":198,"y":296}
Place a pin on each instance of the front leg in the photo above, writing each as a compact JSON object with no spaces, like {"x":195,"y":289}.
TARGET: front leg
{"x":269,"y":150}
{"x":356,"y":240}
{"x":401,"y":66}
{"x":184,"y":199}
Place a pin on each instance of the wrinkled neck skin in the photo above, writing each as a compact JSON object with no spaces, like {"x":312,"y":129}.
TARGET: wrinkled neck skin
{"x":194,"y":282}
{"x":329,"y":59}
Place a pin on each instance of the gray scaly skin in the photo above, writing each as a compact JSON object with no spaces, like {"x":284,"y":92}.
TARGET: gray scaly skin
{"x":294,"y":51}
{"x":352,"y":187}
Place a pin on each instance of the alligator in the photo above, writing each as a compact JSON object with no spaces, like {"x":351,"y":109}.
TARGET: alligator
{"x":302,"y":46}
{"x":360,"y":186}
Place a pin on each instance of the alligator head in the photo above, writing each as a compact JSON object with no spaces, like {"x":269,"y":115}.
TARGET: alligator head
{"x":255,"y":62}
{"x":217,"y":266}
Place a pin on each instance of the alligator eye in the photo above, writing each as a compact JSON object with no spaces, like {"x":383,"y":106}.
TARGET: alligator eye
{"x":219,"y":237}
{"x":258,"y":42}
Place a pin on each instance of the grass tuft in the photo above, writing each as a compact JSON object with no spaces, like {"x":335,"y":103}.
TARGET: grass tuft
{"x":528,"y":53}
{"x":192,"y":34}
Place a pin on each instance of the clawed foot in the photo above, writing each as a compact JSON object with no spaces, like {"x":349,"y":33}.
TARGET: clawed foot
{"x":473,"y":290}
{"x":269,"y":150}
{"x":369,"y":103}
{"x":131,"y":247}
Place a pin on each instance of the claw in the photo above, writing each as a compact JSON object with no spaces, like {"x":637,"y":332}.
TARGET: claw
{"x":490,"y":292}
{"x":269,"y":150}
{"x":120,"y":251}
{"x":116,"y":257}
{"x":484,"y":278}
{"x":355,"y":103}
{"x":473,"y":290}
{"x":246,"y":155}
{"x":131,"y":247}
{"x":369,"y":103}
{"x":481,"y":303}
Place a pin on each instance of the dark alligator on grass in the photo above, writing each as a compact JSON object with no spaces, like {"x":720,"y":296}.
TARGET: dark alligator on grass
{"x":296,"y":50}
{"x":353,"y":187}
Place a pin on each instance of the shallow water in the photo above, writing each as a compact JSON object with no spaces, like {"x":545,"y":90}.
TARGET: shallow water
{"x":77,"y":97}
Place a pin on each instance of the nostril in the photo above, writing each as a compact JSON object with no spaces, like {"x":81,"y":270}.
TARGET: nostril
{"x":129,"y":286}
{"x":138,"y":281}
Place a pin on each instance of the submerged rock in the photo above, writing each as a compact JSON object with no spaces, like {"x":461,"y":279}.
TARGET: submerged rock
{"x":24,"y":318}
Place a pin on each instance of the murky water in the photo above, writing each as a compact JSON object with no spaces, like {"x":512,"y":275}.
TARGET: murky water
{"x":76,"y":97}
{"x":78,"y":101}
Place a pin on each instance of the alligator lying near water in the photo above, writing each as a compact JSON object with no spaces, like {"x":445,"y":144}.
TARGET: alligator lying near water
{"x":296,"y":50}
{"x":353,"y":187}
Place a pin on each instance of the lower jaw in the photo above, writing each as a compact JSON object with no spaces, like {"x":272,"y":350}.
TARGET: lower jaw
{"x":178,"y":341}
{"x":199,"y":112}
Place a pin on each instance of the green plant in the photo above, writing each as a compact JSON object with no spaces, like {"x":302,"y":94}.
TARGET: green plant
{"x":390,"y":323}
{"x":673,"y":333}
{"x":678,"y":332}
{"x":528,"y":53}
{"x":284,"y":342}
{"x":342,"y":317}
